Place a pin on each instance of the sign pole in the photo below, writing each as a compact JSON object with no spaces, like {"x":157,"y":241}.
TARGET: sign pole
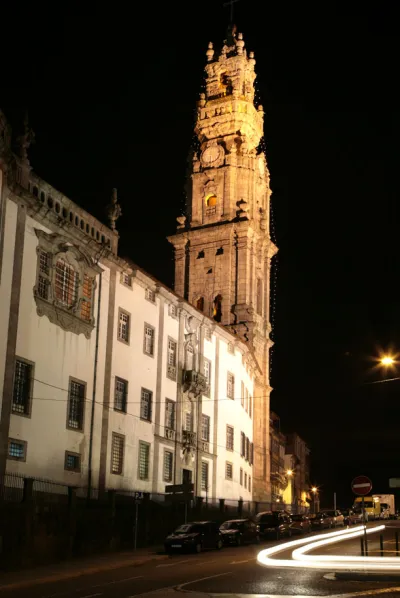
{"x":334,"y":501}
{"x":136,"y":522}
{"x":365,"y":529}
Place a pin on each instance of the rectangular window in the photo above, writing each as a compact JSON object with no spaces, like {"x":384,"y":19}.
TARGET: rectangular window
{"x":229,"y":470}
{"x":126,"y":279}
{"x":242,"y":393}
{"x":204,"y":475}
{"x":117,"y":453}
{"x":205,"y":428}
{"x":171,"y":359}
{"x":16,"y":449}
{"x":150,"y":295}
{"x":66,"y":283}
{"x":250,"y":406}
{"x":23,"y":380}
{"x":246,"y":399}
{"x":72,"y":462}
{"x":148,"y":342}
{"x":241,"y":476}
{"x":229,"y":438}
{"x":249,"y":484}
{"x":242,"y":444}
{"x":207,"y":374}
{"x":146,"y":398}
{"x":230,"y":386}
{"x":168,"y":463}
{"x":121,"y":394}
{"x":245,"y":480}
{"x":170,"y":414}
{"x":86,"y":299}
{"x":44,"y":275}
{"x":247,"y":452}
{"x":144,"y":460}
{"x":123,"y":326}
{"x":76,"y":404}
{"x":251,"y":453}
{"x":188,"y":422}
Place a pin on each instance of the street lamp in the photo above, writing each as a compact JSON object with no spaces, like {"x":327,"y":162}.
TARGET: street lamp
{"x":289,"y":472}
{"x":314,"y":490}
{"x":387,"y":361}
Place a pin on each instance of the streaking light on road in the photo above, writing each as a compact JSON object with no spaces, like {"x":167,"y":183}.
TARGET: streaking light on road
{"x":301,"y":560}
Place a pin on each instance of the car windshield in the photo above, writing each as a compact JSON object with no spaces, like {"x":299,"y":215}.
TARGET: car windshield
{"x":188,"y":528}
{"x":230,"y":525}
{"x":330,"y":513}
{"x":297,"y":517}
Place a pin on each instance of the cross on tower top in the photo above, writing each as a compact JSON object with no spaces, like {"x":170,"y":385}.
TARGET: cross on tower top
{"x":230,"y":3}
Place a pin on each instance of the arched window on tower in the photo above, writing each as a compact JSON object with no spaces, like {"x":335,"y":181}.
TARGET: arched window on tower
{"x":217,"y":308}
{"x":259,"y":298}
{"x":200,"y":303}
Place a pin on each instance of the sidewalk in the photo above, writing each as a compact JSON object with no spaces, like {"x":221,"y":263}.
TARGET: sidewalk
{"x":76,"y":568}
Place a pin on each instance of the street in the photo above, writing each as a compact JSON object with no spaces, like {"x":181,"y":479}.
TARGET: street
{"x":230,"y":571}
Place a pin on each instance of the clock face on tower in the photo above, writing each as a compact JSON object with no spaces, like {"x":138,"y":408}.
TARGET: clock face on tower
{"x":211,"y":155}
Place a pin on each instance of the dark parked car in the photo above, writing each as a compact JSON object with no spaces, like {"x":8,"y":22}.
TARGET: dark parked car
{"x":273,"y":524}
{"x":239,"y":531}
{"x":322,"y":521}
{"x":300,"y":524}
{"x":196,"y":536}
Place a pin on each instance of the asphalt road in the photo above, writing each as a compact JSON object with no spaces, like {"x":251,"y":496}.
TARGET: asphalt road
{"x":231,"y":570}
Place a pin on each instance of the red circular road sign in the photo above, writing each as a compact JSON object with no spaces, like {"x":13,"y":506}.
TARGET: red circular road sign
{"x":361,"y":485}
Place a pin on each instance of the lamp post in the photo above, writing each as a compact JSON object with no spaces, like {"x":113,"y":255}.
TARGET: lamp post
{"x":314,"y":490}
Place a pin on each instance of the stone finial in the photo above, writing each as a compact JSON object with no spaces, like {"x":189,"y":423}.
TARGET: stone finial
{"x":25,"y":140}
{"x":113,"y":209}
{"x":181,"y":221}
{"x":239,"y":43}
{"x":210,"y":52}
{"x":202,"y":101}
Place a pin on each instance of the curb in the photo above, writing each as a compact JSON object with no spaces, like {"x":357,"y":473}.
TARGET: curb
{"x":79,"y":573}
{"x":355,"y":576}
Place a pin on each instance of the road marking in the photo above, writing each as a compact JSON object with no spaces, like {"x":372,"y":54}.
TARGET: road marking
{"x":173,"y":564}
{"x":152,"y":591}
{"x":109,"y":583}
{"x":238,"y":562}
{"x":206,"y":563}
{"x":91,"y":595}
{"x":188,"y":583}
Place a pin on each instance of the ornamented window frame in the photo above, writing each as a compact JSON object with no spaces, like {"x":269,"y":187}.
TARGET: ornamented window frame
{"x":68,"y":318}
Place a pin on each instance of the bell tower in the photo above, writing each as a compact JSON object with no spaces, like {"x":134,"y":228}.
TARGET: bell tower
{"x":223,"y":248}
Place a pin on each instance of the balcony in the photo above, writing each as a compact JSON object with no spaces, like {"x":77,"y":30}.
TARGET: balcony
{"x":189,"y":439}
{"x":170,"y":434}
{"x":205,"y":446}
{"x":195,"y":384}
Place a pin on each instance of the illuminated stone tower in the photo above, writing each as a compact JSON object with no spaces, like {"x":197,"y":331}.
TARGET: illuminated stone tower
{"x":223,"y":248}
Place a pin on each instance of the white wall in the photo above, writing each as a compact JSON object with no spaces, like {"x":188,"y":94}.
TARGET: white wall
{"x":57,"y":355}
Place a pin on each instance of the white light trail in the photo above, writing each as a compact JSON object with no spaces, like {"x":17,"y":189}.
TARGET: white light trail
{"x":334,"y":562}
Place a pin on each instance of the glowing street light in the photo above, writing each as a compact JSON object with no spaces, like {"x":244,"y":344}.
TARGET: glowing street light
{"x":314,"y":489}
{"x":289,"y":472}
{"x":387,"y":361}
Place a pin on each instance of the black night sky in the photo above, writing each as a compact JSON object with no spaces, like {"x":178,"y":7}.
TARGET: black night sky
{"x":111,"y":95}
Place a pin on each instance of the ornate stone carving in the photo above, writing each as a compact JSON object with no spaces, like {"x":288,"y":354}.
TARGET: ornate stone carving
{"x":114,"y":210}
{"x":25,"y":140}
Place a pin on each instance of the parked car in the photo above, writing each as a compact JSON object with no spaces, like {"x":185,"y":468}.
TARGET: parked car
{"x":351,"y":517}
{"x":321,"y":521}
{"x":196,"y":536}
{"x":301,"y":524}
{"x":273,"y":524}
{"x":239,"y":531}
{"x":337,"y":518}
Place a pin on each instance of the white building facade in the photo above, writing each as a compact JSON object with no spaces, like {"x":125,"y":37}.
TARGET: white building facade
{"x":109,"y":380}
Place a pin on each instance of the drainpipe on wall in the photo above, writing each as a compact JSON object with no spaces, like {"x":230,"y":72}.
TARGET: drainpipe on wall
{"x":96,"y":354}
